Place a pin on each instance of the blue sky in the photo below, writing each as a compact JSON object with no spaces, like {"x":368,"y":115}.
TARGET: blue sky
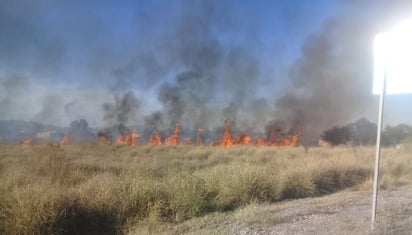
{"x":84,"y":30}
{"x":63,"y":60}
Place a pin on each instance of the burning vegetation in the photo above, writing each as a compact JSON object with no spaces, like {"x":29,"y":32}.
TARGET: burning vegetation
{"x":274,"y":137}
{"x":27,"y":142}
{"x":174,"y":138}
{"x":155,"y":138}
{"x":226,"y":136}
{"x":130,"y":138}
{"x":65,"y":140}
{"x":277,"y":134}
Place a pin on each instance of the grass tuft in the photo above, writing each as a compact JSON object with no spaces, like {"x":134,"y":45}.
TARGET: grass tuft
{"x":243,"y":185}
{"x":92,"y":189}
{"x":297,"y":185}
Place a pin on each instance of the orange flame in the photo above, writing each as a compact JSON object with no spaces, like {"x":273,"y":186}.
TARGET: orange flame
{"x":226,"y":139}
{"x":134,"y":138}
{"x":227,"y":135}
{"x":27,"y":142}
{"x":120,"y":140}
{"x":242,"y":139}
{"x":65,"y":140}
{"x":188,"y":141}
{"x":103,"y":140}
{"x":274,"y":138}
{"x":130,"y":139}
{"x":174,"y":138}
{"x":277,"y":138}
{"x":323,"y":143}
{"x":259,"y":141}
{"x":199,"y":140}
{"x":155,"y":138}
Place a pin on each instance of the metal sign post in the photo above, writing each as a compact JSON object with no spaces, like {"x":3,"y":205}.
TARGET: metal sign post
{"x":392,"y":75}
{"x":378,"y":152}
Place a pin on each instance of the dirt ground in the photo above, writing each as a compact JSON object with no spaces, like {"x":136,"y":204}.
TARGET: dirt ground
{"x":346,"y":212}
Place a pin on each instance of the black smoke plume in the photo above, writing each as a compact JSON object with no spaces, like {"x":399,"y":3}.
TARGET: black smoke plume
{"x":332,"y":79}
{"x":123,"y":110}
{"x":119,"y":114}
{"x":207,"y":65}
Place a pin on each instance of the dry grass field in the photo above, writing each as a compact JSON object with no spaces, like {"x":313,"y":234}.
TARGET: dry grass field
{"x":97,"y":189}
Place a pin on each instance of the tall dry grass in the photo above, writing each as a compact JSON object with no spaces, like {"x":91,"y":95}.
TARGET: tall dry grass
{"x":92,"y":189}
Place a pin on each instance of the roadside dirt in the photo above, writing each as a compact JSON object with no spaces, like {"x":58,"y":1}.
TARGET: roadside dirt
{"x":346,"y":212}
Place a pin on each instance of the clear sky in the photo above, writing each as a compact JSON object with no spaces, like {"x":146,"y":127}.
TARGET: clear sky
{"x":253,"y":61}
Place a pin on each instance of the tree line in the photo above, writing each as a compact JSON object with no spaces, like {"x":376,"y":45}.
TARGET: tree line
{"x":363,"y":132}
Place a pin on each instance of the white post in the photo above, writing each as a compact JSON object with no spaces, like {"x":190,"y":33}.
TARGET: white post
{"x":378,"y":152}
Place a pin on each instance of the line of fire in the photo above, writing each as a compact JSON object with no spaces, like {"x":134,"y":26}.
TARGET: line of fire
{"x":227,"y":138}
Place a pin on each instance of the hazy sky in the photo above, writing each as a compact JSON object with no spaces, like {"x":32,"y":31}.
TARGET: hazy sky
{"x":241,"y":59}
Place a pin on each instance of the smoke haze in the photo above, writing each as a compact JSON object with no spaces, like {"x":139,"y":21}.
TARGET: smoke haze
{"x":198,"y":63}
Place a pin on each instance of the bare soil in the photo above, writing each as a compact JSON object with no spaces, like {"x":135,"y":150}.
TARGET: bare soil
{"x":347,"y":212}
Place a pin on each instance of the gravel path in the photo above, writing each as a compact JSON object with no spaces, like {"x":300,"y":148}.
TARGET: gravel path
{"x":342,"y":213}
